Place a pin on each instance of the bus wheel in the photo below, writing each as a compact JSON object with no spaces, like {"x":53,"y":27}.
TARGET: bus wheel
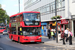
{"x":18,"y":40}
{"x":12,"y":38}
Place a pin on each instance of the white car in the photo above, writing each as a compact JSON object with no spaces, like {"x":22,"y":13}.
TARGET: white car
{"x":5,"y":32}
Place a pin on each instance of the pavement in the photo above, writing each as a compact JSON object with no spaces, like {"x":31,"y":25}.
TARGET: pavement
{"x":59,"y":44}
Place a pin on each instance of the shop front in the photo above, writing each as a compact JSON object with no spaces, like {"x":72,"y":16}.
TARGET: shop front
{"x":74,"y":27}
{"x":44,"y":29}
{"x":53,"y":25}
{"x":61,"y":25}
{"x":64,"y":24}
{"x":73,"y":24}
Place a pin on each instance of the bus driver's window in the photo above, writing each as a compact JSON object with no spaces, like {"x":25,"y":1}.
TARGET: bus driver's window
{"x":27,"y":19}
{"x":37,"y":18}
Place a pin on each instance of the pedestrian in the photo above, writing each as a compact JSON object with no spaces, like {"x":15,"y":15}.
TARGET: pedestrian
{"x":55,"y":33}
{"x":52,"y":35}
{"x":49,"y":33}
{"x":70,"y":37}
{"x":66,"y":34}
{"x":63,"y":37}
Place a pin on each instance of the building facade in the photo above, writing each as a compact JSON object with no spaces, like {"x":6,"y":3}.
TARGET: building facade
{"x":47,"y":10}
{"x":72,"y":12}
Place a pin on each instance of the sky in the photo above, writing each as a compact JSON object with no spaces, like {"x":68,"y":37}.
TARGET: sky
{"x":12,"y":6}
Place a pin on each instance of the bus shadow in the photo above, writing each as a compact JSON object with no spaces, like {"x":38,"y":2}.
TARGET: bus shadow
{"x":29,"y":42}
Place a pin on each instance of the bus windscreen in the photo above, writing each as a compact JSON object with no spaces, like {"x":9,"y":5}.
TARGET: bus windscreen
{"x":31,"y":31}
{"x":31,"y":16}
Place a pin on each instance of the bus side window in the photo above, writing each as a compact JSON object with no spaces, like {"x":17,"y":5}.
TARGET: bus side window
{"x":13,"y":30}
{"x":21,"y":17}
{"x":10,"y":30}
{"x":17,"y":18}
{"x":11,"y":19}
{"x":20,"y":32}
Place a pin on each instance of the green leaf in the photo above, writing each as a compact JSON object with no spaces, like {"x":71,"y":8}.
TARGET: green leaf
{"x":3,"y":15}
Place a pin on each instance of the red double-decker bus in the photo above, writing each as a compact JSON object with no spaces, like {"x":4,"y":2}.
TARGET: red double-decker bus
{"x":25,"y":27}
{"x":2,"y":28}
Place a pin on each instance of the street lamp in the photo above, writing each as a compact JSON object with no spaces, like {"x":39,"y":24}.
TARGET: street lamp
{"x":56,"y":17}
{"x":19,"y":5}
{"x":56,"y":21}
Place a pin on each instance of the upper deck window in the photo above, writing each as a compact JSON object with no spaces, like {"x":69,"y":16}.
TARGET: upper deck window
{"x":31,"y":17}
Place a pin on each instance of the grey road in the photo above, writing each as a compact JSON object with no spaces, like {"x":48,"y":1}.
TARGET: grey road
{"x":7,"y":44}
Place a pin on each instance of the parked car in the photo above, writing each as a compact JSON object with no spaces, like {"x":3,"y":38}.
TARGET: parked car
{"x":5,"y":32}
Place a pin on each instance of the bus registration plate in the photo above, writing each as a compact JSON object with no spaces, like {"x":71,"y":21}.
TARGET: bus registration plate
{"x":31,"y":41}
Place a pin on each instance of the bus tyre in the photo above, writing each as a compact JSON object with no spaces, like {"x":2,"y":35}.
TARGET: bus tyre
{"x":12,"y":38}
{"x":18,"y":40}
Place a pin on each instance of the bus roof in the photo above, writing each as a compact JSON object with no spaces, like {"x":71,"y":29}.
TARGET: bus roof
{"x":24,"y":12}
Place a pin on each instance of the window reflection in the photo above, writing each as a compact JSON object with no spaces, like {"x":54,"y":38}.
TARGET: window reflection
{"x":51,"y":7}
{"x":30,"y":3}
{"x":31,"y":16}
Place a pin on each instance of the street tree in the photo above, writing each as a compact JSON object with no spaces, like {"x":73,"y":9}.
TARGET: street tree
{"x":3,"y":15}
